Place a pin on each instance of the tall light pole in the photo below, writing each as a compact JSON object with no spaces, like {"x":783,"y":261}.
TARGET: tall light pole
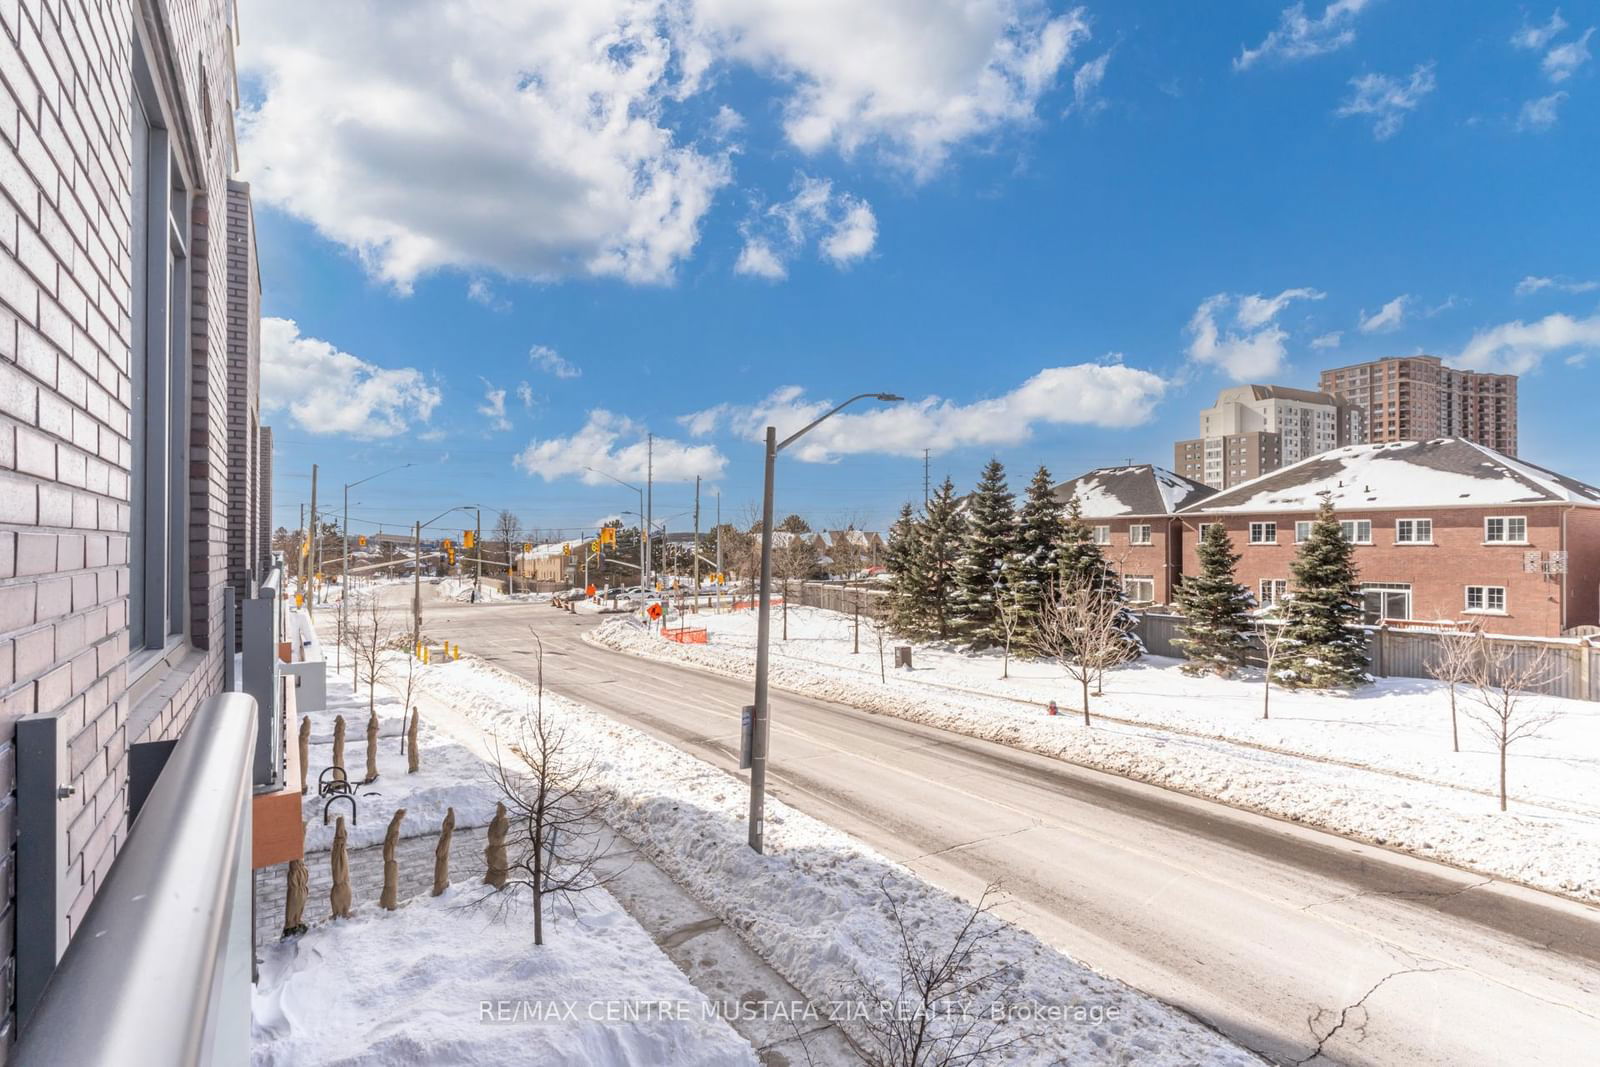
{"x":416,"y":573}
{"x":758,"y":726}
{"x":644,"y":532}
{"x":344,"y":570}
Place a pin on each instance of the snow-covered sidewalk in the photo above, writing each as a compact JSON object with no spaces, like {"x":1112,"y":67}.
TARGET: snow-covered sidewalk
{"x":1375,"y":765}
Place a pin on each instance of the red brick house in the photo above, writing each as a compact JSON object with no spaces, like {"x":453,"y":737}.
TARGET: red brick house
{"x":1444,"y":530}
{"x":1132,"y":512}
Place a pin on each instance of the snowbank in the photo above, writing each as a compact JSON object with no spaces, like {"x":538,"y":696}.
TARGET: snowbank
{"x":1204,"y":736}
{"x":440,"y":983}
{"x":812,"y":906}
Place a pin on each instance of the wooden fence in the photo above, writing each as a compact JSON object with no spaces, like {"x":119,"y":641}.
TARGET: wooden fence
{"x":1573,"y":665}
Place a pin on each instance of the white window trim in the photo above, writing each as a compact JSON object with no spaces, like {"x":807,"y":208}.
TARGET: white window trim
{"x":1279,"y":588}
{"x":1367,"y":540}
{"x":1507,"y":519}
{"x":1297,"y":538}
{"x":1100,"y":535}
{"x":1466,"y":601}
{"x":1149,"y":534}
{"x":1397,"y":539}
{"x":1263,"y":524}
{"x":1140,"y":578}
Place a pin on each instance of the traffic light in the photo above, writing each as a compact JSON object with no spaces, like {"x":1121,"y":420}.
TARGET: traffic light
{"x":466,"y":539}
{"x":608,"y":536}
{"x":566,"y":550}
{"x":450,"y":551}
{"x":526,"y":548}
{"x":362,"y":540}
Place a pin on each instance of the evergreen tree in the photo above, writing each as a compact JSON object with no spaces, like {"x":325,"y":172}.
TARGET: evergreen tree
{"x":991,"y":533}
{"x":936,"y":562}
{"x":901,"y":561}
{"x":1215,"y":609}
{"x":1034,"y":567}
{"x":1322,"y":646}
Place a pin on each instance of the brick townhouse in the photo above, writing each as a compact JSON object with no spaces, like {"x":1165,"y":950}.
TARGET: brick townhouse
{"x":1444,"y":529}
{"x":1132,"y":515}
{"x":118,"y":456}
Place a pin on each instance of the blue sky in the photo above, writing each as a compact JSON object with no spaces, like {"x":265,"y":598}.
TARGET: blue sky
{"x":1057,"y":230}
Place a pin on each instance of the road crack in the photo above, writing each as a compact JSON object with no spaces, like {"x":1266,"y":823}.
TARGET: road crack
{"x":1360,"y":1005}
{"x":1435,"y":895}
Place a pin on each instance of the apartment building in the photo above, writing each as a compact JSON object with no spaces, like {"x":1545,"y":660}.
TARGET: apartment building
{"x":1253,"y":429}
{"x":1131,"y":513}
{"x":123,"y":472}
{"x":1445,"y":529}
{"x":1417,"y":398}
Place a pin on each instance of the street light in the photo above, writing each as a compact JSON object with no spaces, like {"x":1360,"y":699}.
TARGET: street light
{"x":758,"y":726}
{"x":416,"y":573}
{"x":644,"y":541}
{"x":344,"y":571}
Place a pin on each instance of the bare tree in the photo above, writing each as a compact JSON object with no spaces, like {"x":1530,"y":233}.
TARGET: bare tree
{"x":1078,"y":628}
{"x":1274,"y":640}
{"x":874,"y":612}
{"x":507,"y":534}
{"x":1009,"y":610}
{"x":372,"y":634}
{"x":554,"y":808}
{"x":1503,"y":678}
{"x":793,"y":559}
{"x":1455,"y":663}
{"x":947,"y":1008}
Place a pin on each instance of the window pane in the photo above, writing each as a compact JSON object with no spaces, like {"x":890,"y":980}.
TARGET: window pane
{"x":136,"y":539}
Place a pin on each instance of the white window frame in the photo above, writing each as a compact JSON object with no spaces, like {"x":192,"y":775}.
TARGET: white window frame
{"x":1102,"y":535}
{"x":1415,"y":524}
{"x":1485,"y":600}
{"x":1272,"y":591}
{"x":1357,"y":523}
{"x":1130,"y":580}
{"x":1302,"y":531}
{"x":1389,"y":589}
{"x":1269,"y":532}
{"x":1201,"y":528}
{"x":1507,"y":539}
{"x":158,"y":593}
{"x":1133,"y":534}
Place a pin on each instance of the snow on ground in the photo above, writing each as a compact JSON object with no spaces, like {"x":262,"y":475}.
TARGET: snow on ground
{"x":449,"y":774}
{"x":439,"y":983}
{"x":1204,"y":736}
{"x":812,"y":906}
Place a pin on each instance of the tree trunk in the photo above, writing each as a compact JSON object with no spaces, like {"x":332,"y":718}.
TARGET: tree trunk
{"x":413,"y":759}
{"x":294,"y":900}
{"x":494,"y":852}
{"x":1503,"y":746}
{"x":1266,"y":695}
{"x":1455,"y":735}
{"x":1086,"y":698}
{"x":338,"y":742}
{"x":305,"y":755}
{"x":441,"y":853}
{"x":339,"y":892}
{"x":390,"y":897}
{"x":372,"y":748}
{"x":538,"y":917}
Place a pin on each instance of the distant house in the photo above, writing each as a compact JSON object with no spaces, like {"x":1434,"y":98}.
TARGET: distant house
{"x":549,"y":562}
{"x":1131,"y":513}
{"x":1444,"y":530}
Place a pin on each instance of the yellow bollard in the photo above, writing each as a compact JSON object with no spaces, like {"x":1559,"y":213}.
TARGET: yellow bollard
{"x":424,"y":653}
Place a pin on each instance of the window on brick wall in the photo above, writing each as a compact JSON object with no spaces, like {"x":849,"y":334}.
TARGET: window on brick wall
{"x":159,"y":252}
{"x":1139,"y":534}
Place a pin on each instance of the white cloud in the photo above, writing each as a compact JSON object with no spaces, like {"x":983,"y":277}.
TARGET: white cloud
{"x":525,"y":394}
{"x":542,"y":138}
{"x":1536,"y":37}
{"x":1299,"y":36}
{"x":493,"y":407}
{"x":1562,"y":61}
{"x":1533,"y":284}
{"x":616,"y":445}
{"x":1388,"y":100}
{"x":843,"y":226}
{"x":1086,"y":85}
{"x":327,"y":391}
{"x":1095,"y":394}
{"x":1256,"y":349}
{"x":1517,"y":347}
{"x":1386,"y":319}
{"x":550,"y":361}
{"x":480,"y":291}
{"x":1542,"y":113}
{"x":1328,"y":340}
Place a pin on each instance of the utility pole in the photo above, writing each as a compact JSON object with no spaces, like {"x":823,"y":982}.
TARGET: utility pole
{"x":316,"y":538}
{"x":416,"y":587}
{"x":305,"y":549}
{"x":649,"y":506}
{"x":696,"y":544}
{"x":477,"y":545}
{"x":720,"y":571}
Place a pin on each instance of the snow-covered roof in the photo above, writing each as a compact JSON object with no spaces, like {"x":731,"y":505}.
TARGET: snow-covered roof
{"x":1444,"y":472}
{"x":1140,"y":489}
{"x":553,"y":548}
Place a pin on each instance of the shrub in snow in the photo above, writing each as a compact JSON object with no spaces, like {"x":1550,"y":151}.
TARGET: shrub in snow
{"x":1216,"y":610}
{"x":441,"y":853}
{"x":1323,"y":647}
{"x":1036,"y":563}
{"x":987,"y":545}
{"x":339,"y":858}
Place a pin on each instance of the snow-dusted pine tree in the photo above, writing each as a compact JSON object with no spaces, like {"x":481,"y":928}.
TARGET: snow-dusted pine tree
{"x":935,"y":569}
{"x":900,"y":560}
{"x":991,"y":534}
{"x":1215,"y":609}
{"x":1322,"y":647}
{"x":1081,"y":561}
{"x":1034,"y":566}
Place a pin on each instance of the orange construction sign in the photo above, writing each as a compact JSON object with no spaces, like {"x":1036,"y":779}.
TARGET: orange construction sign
{"x":655,"y":610}
{"x":590,"y":590}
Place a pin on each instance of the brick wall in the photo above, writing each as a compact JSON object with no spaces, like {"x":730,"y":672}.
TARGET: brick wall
{"x":1438,"y":573}
{"x":244,"y":415}
{"x":65,"y":395}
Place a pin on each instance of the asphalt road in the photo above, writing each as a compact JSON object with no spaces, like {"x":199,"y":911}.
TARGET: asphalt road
{"x":1291,"y":941}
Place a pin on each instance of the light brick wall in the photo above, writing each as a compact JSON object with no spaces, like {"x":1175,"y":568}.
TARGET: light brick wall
{"x":244,"y":415}
{"x":65,"y":395}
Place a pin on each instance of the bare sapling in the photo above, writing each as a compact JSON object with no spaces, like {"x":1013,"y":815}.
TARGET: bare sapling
{"x":1503,"y":704}
{"x":1454,"y":662}
{"x":1078,"y":629}
{"x":1274,"y":641}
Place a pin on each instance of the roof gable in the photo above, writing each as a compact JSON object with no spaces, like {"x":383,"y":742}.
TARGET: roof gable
{"x":1140,"y":489}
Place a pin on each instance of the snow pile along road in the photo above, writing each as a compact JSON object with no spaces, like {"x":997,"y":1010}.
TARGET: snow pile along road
{"x":1544,"y":846}
{"x":814,"y":905}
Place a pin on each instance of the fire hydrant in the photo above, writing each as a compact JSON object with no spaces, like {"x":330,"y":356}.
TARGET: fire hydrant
{"x":1052,"y":708}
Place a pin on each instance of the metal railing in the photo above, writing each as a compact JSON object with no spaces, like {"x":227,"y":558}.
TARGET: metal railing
{"x":158,"y":972}
{"x":263,"y":630}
